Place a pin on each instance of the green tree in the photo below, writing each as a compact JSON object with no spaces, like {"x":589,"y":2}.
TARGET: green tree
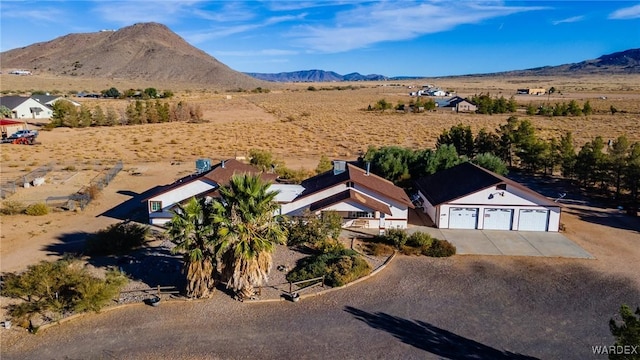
{"x":491,"y":162}
{"x":626,"y":334}
{"x":112,"y":93}
{"x":531,"y":109}
{"x":383,"y":105}
{"x":587,"y":109}
{"x":64,"y":114}
{"x":390,"y":162}
{"x":631,"y":178}
{"x":590,"y":162}
{"x":5,"y":112}
{"x":567,"y":154}
{"x":263,"y":159}
{"x":506,"y":132}
{"x":486,"y":142}
{"x":461,"y":137}
{"x":443,"y":158}
{"x":529,"y":148}
{"x":193,"y":232}
{"x":573,"y":108}
{"x":323,"y":165}
{"x":617,"y":159}
{"x":247,"y":233}
{"x":84,"y":116}
{"x":111,"y":118}
{"x":311,"y":229}
{"x":151,"y":93}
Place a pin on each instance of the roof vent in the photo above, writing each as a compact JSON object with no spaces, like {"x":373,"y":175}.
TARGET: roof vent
{"x":339,"y":166}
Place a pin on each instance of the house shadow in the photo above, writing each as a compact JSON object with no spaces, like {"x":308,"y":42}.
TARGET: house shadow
{"x":152,"y":265}
{"x":433,"y":339}
{"x":132,"y":209}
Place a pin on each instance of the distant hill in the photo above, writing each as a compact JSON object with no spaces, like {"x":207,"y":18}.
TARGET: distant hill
{"x":315,"y":76}
{"x":148,"y":51}
{"x":623,"y":62}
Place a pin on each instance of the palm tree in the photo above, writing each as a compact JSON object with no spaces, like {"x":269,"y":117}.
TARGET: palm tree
{"x":247,"y":233}
{"x":193,"y":233}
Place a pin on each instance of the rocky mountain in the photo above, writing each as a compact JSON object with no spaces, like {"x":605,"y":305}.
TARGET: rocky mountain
{"x":148,"y":51}
{"x":315,"y":76}
{"x":623,"y":62}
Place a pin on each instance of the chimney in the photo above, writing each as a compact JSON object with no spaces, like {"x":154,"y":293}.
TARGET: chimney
{"x":339,"y":166}
{"x":368,"y":168}
{"x":222,"y":164}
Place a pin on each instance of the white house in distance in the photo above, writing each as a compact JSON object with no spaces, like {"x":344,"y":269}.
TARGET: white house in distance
{"x":362,"y":199}
{"x":49,"y":100}
{"x":467,"y":196}
{"x":26,"y":107}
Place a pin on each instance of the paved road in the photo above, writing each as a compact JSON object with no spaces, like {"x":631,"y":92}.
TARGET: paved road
{"x":418,"y":308}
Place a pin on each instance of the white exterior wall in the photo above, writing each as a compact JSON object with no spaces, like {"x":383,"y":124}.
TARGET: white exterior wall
{"x":297,"y":207}
{"x":175,"y":196}
{"x":399,"y":212}
{"x":23,"y":111}
{"x":513,"y":198}
{"x":428,"y":208}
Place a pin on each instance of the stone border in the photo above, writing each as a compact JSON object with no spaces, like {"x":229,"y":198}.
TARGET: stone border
{"x":306,"y":296}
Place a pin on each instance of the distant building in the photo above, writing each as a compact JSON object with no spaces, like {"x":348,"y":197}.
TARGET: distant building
{"x":531,"y":91}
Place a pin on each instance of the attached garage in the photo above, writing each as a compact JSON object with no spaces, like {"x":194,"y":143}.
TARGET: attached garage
{"x":497,"y":219}
{"x":463,"y":218}
{"x":533,"y":220}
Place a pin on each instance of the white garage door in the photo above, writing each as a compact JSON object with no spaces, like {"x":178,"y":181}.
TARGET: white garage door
{"x":463,"y":218}
{"x":533,"y":220}
{"x":497,"y":219}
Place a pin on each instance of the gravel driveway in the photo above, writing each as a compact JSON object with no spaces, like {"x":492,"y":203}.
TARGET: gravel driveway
{"x":417,"y":308}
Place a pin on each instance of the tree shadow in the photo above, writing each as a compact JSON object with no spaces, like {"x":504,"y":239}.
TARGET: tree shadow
{"x":619,"y":220}
{"x":431,"y":338}
{"x":152,"y":265}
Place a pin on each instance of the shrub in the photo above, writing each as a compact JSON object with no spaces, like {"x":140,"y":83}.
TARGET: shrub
{"x":117,"y":239}
{"x":419,"y":239}
{"x":37,"y":209}
{"x":54,"y":288}
{"x":378,"y":249}
{"x":393,"y":237}
{"x":338,"y":267}
{"x":311,"y":230}
{"x":439,"y":248}
{"x":12,"y":208}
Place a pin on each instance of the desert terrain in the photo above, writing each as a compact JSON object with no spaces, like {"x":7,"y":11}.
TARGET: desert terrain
{"x":299,"y":126}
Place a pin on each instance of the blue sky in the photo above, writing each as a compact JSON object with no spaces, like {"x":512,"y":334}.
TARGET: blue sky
{"x":392,"y":38}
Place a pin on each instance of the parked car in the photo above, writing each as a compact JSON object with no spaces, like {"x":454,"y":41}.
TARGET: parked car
{"x":23,"y":133}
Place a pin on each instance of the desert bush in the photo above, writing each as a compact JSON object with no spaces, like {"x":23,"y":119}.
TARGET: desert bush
{"x":54,"y":288}
{"x":393,"y":237}
{"x":378,"y":249}
{"x":439,"y":248}
{"x":37,"y":209}
{"x":338,"y":267}
{"x":419,"y":239}
{"x":93,"y":191}
{"x":69,"y":168}
{"x":117,"y":239}
{"x":12,"y":207}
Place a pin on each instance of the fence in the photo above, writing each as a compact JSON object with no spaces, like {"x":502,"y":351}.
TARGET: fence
{"x":102,"y":180}
{"x":9,"y":187}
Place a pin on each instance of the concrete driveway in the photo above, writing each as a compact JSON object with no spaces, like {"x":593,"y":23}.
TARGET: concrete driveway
{"x":514,"y":243}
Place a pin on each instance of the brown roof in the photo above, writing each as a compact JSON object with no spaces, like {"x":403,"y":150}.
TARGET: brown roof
{"x":219,"y":174}
{"x":357,"y":175}
{"x":354,"y":196}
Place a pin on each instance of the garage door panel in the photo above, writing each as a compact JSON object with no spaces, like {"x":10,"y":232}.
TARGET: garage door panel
{"x":533,"y":220}
{"x":463,"y":218}
{"x":498,"y":219}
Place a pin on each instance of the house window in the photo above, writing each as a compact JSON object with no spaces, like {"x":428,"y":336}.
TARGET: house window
{"x":360,"y":214}
{"x":155,"y":206}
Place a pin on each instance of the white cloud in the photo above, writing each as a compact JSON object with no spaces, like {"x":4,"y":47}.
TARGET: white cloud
{"x":368,"y":24}
{"x":251,"y":53}
{"x":632,"y":12}
{"x":568,"y":20}
{"x":130,"y":12}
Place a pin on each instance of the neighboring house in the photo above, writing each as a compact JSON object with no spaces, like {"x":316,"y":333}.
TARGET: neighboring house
{"x":8,"y":127}
{"x":467,"y":196}
{"x":360,"y":197}
{"x":532,"y":91}
{"x":206,"y":183}
{"x":50,"y":100}
{"x":436,"y":92}
{"x":456,"y":104}
{"x":26,"y":107}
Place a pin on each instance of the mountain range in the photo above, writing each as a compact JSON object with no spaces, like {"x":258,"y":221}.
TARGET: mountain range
{"x":152,"y":52}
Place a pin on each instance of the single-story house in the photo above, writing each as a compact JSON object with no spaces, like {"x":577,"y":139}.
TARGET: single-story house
{"x":8,"y":127}
{"x":467,"y":196}
{"x":362,"y":199}
{"x":203,"y":183}
{"x":26,"y":107}
{"x":457,"y":104}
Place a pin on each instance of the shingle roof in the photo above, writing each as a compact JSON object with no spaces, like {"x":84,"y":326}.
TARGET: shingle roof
{"x":464,"y":179}
{"x":43,"y":99}
{"x":12,"y":101}
{"x":359,"y":176}
{"x":351,"y":195}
